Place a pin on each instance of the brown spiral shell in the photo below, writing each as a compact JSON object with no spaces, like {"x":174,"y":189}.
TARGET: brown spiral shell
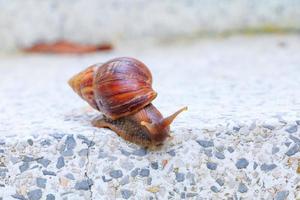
{"x":119,"y":87}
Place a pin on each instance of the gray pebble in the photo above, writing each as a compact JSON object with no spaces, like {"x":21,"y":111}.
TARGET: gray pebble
{"x":172,"y":152}
{"x":135,"y":172}
{"x":27,"y":159}
{"x":298,"y":122}
{"x":149,"y":181}
{"x":255,"y":165}
{"x":154,"y":165}
{"x":188,"y":195}
{"x":211,"y":165}
{"x":116,"y":173}
{"x":295,"y":139}
{"x":18,"y":196}
{"x":267,"y":167}
{"x":182,"y":195}
{"x":86,"y":141}
{"x":57,"y":136}
{"x":220,"y":181}
{"x":46,"y":142}
{"x":84,"y":184}
{"x":205,"y":143}
{"x":180,"y":177}
{"x":287,"y":144}
{"x":83,"y":152}
{"x":70,"y":176}
{"x":124,"y":152}
{"x":140,"y":152}
{"x":30,"y":142}
{"x":291,"y":129}
{"x":41,"y":182}
{"x":214,"y":189}
{"x":242,"y":163}
{"x":105,"y":180}
{"x":144,"y":172}
{"x":60,"y":162}
{"x":282,"y":195}
{"x":230,"y":149}
{"x":70,"y":142}
{"x":102,"y":154}
{"x":68,"y":152}
{"x":1,"y":150}
{"x":242,"y":188}
{"x":49,"y":173}
{"x":208,"y":152}
{"x":236,"y":128}
{"x":24,"y":167}
{"x":267,"y":126}
{"x":44,"y":162}
{"x":50,"y":197}
{"x":275,"y":150}
{"x":219,"y":155}
{"x":293,"y":150}
{"x":3,"y":172}
{"x":125,"y":180}
{"x":126,"y":194}
{"x":35,"y":194}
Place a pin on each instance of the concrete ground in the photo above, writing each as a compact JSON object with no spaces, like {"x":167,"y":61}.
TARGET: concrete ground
{"x":240,"y":138}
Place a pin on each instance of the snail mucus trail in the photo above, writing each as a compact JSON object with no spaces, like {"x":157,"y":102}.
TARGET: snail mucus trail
{"x":122,"y":90}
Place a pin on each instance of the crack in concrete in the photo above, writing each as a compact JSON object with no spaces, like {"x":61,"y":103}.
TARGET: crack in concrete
{"x":87,"y":165}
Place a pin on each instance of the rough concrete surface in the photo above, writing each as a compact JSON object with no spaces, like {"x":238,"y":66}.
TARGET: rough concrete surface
{"x":240,"y":138}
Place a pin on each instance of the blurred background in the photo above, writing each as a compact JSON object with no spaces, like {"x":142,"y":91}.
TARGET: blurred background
{"x":24,"y":24}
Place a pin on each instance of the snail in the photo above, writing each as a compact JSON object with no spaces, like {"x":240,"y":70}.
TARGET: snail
{"x":122,"y":90}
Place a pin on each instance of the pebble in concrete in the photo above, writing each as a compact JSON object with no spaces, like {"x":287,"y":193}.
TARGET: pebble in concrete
{"x":35,"y":194}
{"x":116,"y":173}
{"x":242,"y":163}
{"x":242,"y":188}
{"x":84,"y":184}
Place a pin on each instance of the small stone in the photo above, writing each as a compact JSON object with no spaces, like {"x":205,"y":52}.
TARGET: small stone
{"x":205,"y":143}
{"x":83,"y":152}
{"x":287,"y":144}
{"x":124,"y":152}
{"x":140,"y":152}
{"x":219,"y":155}
{"x":182,"y":195}
{"x":236,"y":128}
{"x":135,"y":172}
{"x":84,"y":184}
{"x":116,"y":173}
{"x":220,"y":181}
{"x":149,"y":181}
{"x":255,"y":165}
{"x":144,"y":172}
{"x":295,"y":139}
{"x":214,"y":189}
{"x":125,"y":180}
{"x":267,"y":167}
{"x":50,"y":197}
{"x":230,"y":149}
{"x":60,"y":162}
{"x":105,"y":180}
{"x":298,"y":122}
{"x":275,"y":150}
{"x":49,"y":173}
{"x":44,"y":162}
{"x":30,"y":142}
{"x":267,"y":126}
{"x":154,"y":165}
{"x":189,"y":195}
{"x":58,"y":136}
{"x":208,"y":152}
{"x":172,"y":152}
{"x":126,"y":194}
{"x":46,"y":142}
{"x":180,"y":177}
{"x":70,"y":142}
{"x":27,"y":159}
{"x":24,"y":167}
{"x":102,"y":154}
{"x":282,"y":195}
{"x":35,"y":194}
{"x":242,"y":163}
{"x":293,"y":150}
{"x":70,"y":176}
{"x":18,"y":196}
{"x":291,"y":129}
{"x":242,"y":188}
{"x":211,"y":165}
{"x":86,"y":141}
{"x":41,"y":182}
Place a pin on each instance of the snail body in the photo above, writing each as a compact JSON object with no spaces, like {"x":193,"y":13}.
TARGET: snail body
{"x":122,"y":90}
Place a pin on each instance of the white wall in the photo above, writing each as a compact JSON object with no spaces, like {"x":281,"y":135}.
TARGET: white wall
{"x":23,"y":23}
